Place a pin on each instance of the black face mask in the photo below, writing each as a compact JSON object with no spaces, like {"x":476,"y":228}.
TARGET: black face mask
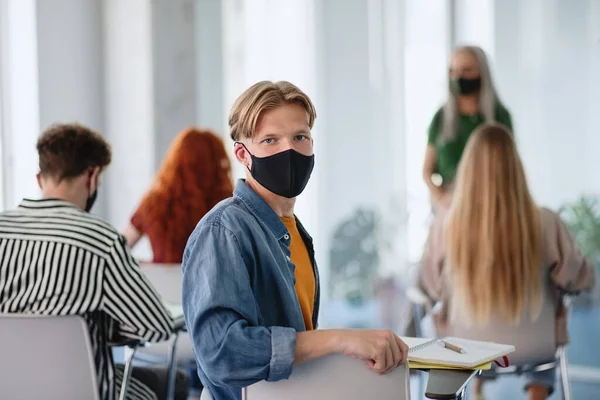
{"x":91,"y":200}
{"x":467,"y":86}
{"x":285,"y":174}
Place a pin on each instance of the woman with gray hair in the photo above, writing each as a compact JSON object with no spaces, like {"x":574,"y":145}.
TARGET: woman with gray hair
{"x":472,"y":101}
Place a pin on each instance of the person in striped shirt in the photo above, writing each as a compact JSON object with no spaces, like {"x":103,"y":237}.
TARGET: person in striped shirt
{"x":58,"y":259}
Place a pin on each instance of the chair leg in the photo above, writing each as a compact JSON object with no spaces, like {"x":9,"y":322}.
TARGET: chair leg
{"x":172,"y":368}
{"x":129,"y":353}
{"x":417,"y":317}
{"x":564,"y":374}
{"x":422,"y":382}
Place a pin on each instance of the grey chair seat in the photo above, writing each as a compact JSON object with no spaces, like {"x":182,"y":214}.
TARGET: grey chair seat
{"x":46,"y":358}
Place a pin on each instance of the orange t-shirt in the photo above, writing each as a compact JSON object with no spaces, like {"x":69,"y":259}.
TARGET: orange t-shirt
{"x":305,"y":275}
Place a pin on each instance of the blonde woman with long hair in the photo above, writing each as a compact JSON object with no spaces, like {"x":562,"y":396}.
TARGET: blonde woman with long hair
{"x":491,"y":253}
{"x":472,"y":101}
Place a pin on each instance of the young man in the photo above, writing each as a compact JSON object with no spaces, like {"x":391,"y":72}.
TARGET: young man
{"x":57,"y":259}
{"x":251,"y":285}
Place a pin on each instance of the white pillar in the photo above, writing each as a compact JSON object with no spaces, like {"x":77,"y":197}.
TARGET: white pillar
{"x":20,"y":111}
{"x":174,"y":69}
{"x":129,"y":104}
{"x":210,"y":43}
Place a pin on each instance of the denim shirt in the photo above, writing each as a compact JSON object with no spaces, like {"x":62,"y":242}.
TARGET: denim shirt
{"x":239,"y":299}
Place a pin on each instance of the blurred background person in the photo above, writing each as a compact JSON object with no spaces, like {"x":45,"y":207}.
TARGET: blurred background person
{"x":472,"y":101}
{"x":490,"y":254}
{"x":194,"y":176}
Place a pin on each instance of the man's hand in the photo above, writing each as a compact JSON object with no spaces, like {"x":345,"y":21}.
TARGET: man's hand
{"x":382,"y":349}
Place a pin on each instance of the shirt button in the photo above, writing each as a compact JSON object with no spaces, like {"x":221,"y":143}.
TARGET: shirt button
{"x":286,"y":236}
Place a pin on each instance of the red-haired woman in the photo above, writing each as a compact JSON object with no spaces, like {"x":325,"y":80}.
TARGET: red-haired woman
{"x":193,"y":178}
{"x":195,"y":175}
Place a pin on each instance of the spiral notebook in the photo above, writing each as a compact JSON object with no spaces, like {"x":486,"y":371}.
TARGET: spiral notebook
{"x":476,"y":353}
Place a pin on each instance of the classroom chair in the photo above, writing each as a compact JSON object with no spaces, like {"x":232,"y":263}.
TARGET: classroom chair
{"x":47,"y":357}
{"x":334,"y":377}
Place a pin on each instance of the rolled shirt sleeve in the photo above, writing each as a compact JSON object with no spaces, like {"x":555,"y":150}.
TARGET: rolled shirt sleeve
{"x":571,"y":272}
{"x":223,"y":317}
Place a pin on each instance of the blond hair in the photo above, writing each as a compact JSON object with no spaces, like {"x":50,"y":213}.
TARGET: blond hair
{"x":493,"y":233}
{"x":262,"y":96}
{"x":488,"y":96}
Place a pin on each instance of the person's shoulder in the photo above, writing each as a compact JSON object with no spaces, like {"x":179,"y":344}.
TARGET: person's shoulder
{"x":549,"y":216}
{"x":552,"y":226}
{"x":501,"y":111}
{"x":67,"y":219}
{"x":437,"y":117}
{"x":95,"y":226}
{"x":230,"y":215}
{"x":435,"y":124}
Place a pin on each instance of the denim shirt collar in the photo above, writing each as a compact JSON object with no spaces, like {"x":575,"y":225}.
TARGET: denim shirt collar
{"x":261,"y":209}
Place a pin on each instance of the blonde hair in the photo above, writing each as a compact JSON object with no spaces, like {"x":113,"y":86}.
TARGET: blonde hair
{"x":493,"y":233}
{"x":488,"y":97}
{"x":262,"y":96}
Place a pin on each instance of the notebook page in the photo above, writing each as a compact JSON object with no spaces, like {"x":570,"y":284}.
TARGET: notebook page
{"x":414,"y":341}
{"x":476,"y":353}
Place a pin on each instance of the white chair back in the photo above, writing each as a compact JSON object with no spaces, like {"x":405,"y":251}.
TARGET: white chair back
{"x":334,"y":377}
{"x":534,"y":341}
{"x":167,"y":280}
{"x":44,"y":357}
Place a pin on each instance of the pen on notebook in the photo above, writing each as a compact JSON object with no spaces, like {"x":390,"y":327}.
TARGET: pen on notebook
{"x":452,"y":347}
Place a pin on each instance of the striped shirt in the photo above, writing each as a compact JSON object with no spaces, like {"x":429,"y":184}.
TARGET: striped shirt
{"x":56,"y":259}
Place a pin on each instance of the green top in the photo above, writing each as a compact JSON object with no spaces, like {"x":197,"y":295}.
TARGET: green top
{"x":449,"y":152}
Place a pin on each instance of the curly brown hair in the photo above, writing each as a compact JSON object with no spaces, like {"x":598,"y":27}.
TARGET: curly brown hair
{"x":194,"y":176}
{"x":68,"y":150}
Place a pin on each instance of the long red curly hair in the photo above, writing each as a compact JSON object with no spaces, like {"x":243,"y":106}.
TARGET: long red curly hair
{"x":194,"y":176}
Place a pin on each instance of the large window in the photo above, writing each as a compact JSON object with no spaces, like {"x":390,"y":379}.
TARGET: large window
{"x":427,"y":53}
